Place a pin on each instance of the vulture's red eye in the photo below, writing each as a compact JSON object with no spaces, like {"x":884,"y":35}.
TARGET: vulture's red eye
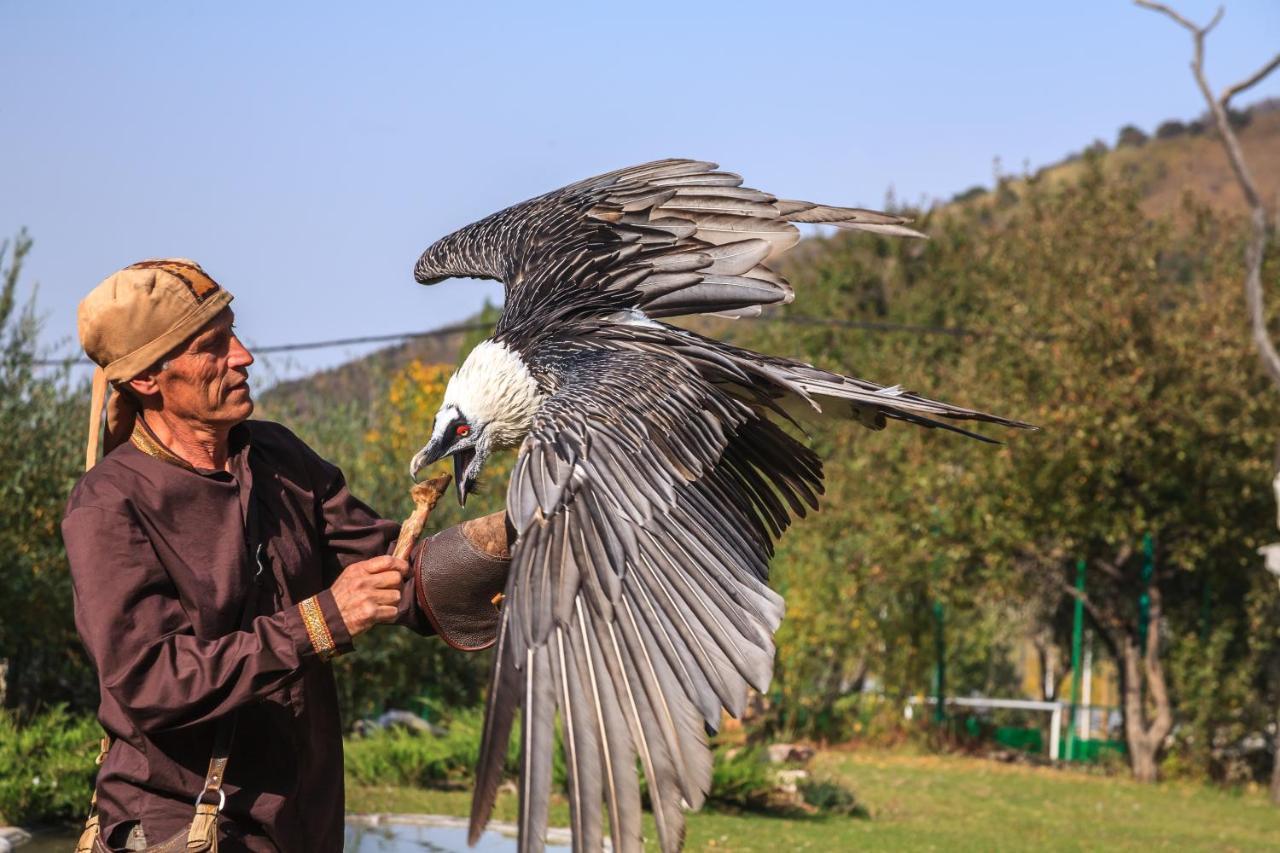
{"x":463,"y":431}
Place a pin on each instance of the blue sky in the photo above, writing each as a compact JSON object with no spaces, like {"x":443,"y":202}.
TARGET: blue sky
{"x":306,"y":153}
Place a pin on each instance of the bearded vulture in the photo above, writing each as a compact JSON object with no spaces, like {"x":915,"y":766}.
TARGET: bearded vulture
{"x":651,"y":482}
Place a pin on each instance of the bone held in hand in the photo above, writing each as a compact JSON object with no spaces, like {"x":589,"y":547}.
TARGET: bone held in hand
{"x":425,"y":495}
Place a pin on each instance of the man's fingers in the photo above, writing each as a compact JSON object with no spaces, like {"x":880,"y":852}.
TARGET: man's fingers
{"x":386,"y":580}
{"x":387,"y":596}
{"x":386,"y":614}
{"x":385,"y":564}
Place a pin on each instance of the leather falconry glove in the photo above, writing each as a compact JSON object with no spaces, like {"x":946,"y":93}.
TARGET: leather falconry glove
{"x":459,"y":575}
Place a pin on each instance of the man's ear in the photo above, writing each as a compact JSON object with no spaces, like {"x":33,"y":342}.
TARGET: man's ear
{"x":144,"y":384}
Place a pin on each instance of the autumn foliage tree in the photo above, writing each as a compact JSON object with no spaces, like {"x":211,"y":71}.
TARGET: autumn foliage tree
{"x":396,"y":668}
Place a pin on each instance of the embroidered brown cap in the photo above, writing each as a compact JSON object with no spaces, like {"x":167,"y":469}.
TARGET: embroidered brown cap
{"x":131,"y":320}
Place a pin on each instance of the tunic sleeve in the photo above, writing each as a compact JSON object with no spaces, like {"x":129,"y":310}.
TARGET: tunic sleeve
{"x":140,"y":640}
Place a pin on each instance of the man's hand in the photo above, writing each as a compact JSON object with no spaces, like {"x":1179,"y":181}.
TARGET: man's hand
{"x":367,"y":593}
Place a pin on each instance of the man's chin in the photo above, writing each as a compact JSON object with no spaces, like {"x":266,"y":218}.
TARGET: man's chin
{"x":238,"y":409}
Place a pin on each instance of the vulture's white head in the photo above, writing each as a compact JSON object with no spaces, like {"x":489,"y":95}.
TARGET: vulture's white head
{"x":488,"y":405}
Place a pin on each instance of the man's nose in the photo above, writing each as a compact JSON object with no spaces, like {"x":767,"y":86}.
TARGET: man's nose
{"x":239,"y":355}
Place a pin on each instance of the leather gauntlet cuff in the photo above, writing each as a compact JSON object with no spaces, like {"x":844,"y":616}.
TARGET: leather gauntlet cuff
{"x":457,"y":578}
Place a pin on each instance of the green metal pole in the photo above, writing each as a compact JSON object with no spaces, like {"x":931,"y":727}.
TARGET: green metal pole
{"x":940,"y":676}
{"x":1077,"y":634}
{"x":939,"y":637}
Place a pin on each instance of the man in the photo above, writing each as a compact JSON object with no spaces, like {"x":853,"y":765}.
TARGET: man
{"x":218,"y":565}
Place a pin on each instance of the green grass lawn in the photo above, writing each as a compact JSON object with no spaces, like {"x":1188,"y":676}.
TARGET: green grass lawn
{"x":951,"y":803}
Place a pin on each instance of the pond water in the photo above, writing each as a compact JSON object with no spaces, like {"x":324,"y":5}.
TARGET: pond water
{"x":53,"y":841}
{"x":373,"y":834}
{"x":434,"y":834}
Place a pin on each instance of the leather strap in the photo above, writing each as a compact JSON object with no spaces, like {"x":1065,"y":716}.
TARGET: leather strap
{"x":211,"y":796}
{"x":96,"y":398}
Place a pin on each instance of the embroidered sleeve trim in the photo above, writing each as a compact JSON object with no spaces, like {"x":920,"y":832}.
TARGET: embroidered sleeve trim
{"x":317,"y":628}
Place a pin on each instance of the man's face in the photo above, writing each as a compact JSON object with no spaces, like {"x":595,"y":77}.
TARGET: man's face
{"x":208,"y":381}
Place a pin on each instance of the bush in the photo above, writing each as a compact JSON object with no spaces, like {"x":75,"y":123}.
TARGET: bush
{"x":830,"y":796}
{"x":46,"y":766}
{"x":1131,"y":137}
{"x":975,"y":191}
{"x":741,"y":779}
{"x":399,"y":757}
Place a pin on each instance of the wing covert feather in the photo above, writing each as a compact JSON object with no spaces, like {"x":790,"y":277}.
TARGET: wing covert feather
{"x":669,"y":237}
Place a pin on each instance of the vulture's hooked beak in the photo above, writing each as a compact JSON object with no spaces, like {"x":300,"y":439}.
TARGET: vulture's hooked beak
{"x":462,"y":458}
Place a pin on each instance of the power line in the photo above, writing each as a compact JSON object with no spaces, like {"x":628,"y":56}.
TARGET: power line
{"x":872,"y":326}
{"x":335,"y":342}
{"x":862,"y":325}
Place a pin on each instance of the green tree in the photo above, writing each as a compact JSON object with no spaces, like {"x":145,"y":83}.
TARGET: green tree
{"x":1157,"y":424}
{"x":1119,"y":336}
{"x":41,"y":430}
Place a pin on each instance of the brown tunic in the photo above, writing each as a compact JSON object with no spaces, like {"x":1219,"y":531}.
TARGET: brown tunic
{"x":157,"y":562}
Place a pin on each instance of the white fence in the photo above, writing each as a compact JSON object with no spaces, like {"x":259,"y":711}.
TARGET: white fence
{"x":1056,"y":711}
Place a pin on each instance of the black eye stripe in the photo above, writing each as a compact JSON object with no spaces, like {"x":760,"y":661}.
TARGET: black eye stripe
{"x":451,"y":431}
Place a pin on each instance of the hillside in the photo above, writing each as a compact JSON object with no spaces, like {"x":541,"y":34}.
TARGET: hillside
{"x":361,"y":380}
{"x":1167,"y":168}
{"x":1186,"y":159}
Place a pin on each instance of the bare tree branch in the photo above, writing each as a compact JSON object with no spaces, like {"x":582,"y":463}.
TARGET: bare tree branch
{"x":1112,"y":566}
{"x":1106,"y":567}
{"x":1258,"y":213}
{"x":1231,"y":91}
{"x":1111,"y":625}
{"x":1160,"y":7}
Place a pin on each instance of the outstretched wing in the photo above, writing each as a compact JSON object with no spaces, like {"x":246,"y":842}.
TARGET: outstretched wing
{"x":670,"y":237}
{"x":646,"y":501}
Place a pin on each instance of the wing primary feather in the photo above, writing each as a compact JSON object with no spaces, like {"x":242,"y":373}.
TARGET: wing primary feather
{"x":504,"y":698}
{"x":677,"y":652}
{"x":581,"y":743}
{"x":665,"y":787}
{"x":622,"y":791}
{"x":747,"y":659}
{"x":728,"y":685}
{"x":537,"y":725}
{"x":648,"y":743}
{"x":728,"y":602}
{"x":676,"y":717}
